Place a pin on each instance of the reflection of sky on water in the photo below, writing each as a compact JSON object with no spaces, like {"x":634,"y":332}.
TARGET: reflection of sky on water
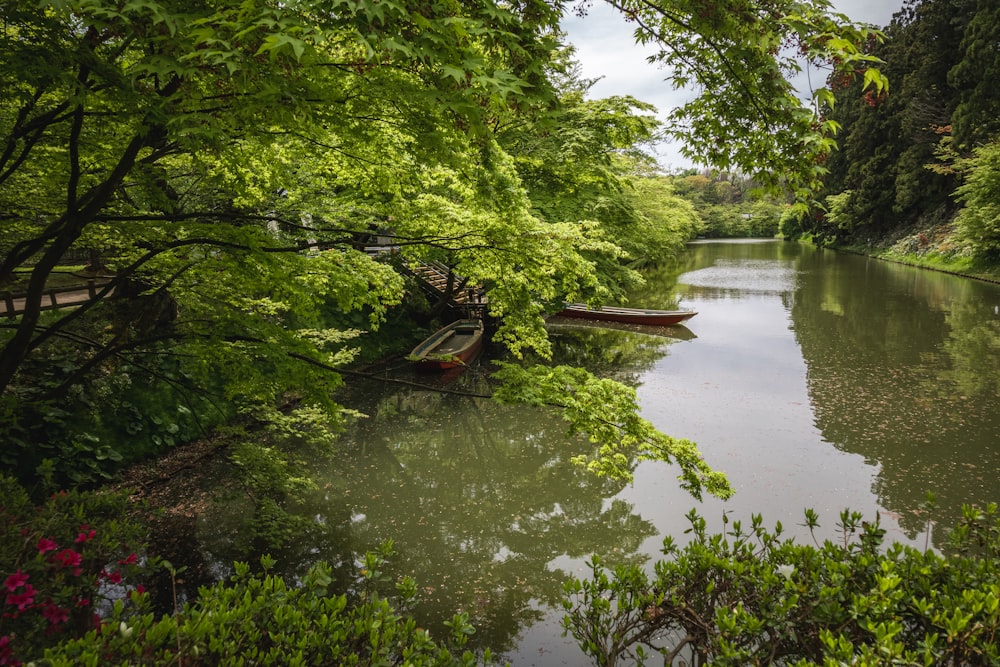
{"x":744,"y":276}
{"x":739,"y":390}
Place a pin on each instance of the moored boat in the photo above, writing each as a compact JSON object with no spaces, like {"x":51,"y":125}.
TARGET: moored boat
{"x":557,"y":323}
{"x":449,"y":347}
{"x":627,"y":315}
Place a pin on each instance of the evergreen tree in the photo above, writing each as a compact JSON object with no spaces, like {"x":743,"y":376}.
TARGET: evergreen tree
{"x":896,"y":166}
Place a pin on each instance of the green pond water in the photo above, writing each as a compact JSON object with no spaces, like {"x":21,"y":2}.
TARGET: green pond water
{"x":813,"y":379}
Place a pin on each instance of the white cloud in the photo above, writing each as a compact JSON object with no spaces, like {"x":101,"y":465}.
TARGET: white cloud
{"x":606,"y":50}
{"x":877,"y":12}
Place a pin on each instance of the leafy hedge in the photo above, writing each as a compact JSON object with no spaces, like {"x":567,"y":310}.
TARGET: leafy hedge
{"x":751,"y":598}
{"x":61,"y":562}
{"x":262,"y":620}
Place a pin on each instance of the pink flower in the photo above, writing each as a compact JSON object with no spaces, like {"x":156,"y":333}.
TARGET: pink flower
{"x":83,"y":602}
{"x":22,"y":600}
{"x":128,"y":561}
{"x":85,"y":536}
{"x":55,"y":614}
{"x":45,"y":545}
{"x":15,"y":581}
{"x":114,"y":577}
{"x":6,"y":652}
{"x":67,"y":558}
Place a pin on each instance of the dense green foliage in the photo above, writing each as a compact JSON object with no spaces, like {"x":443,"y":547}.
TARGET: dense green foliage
{"x":667,"y":218}
{"x":224,"y":168}
{"x":71,"y":567}
{"x":979,"y":220}
{"x":904,"y":156}
{"x":743,"y":597}
{"x":262,"y":620}
{"x":730,"y":207}
{"x":750,"y":597}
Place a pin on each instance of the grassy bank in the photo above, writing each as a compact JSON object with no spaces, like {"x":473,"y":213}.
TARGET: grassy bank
{"x":935,"y":248}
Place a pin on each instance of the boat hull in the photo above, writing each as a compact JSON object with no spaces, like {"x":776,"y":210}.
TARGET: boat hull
{"x":558,"y":323}
{"x":628,"y":315}
{"x":453,"y":346}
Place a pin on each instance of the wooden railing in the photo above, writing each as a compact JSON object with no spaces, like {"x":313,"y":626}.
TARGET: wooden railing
{"x":433,"y":278}
{"x":13,"y":303}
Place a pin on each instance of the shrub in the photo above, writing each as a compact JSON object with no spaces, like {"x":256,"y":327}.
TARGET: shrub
{"x":60,"y":562}
{"x":80,"y":433}
{"x":979,"y":221}
{"x":261,"y":620}
{"x":65,"y":569}
{"x":751,"y":598}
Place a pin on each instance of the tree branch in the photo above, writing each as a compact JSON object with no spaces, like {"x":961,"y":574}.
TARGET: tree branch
{"x":65,"y":231}
{"x":76,"y":127}
{"x":715,"y":47}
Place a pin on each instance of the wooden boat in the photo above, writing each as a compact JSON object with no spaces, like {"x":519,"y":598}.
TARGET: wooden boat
{"x":450,"y":347}
{"x":557,"y":323}
{"x":627,"y":315}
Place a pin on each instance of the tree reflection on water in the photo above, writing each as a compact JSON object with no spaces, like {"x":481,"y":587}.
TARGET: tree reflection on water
{"x":480,"y":500}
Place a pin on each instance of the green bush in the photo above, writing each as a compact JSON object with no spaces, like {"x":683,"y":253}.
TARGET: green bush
{"x":261,"y":620}
{"x":79,"y":433}
{"x":752,"y":598}
{"x":792,"y":223}
{"x":742,"y":597}
{"x":979,"y":221}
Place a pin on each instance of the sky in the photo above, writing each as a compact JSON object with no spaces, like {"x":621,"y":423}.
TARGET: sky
{"x":606,"y":50}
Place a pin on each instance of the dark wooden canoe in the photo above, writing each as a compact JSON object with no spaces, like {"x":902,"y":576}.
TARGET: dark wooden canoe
{"x":452,"y":346}
{"x":658,"y":318}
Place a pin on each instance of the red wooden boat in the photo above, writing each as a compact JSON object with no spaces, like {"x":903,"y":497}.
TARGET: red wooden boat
{"x":557,"y":323}
{"x":450,"y":347}
{"x":627,"y":315}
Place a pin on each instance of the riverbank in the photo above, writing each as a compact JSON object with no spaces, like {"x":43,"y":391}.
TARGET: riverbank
{"x":935,"y":248}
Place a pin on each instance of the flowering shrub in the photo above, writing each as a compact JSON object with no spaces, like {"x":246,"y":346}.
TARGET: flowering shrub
{"x":65,"y":566}
{"x":59,"y":563}
{"x":260,"y":620}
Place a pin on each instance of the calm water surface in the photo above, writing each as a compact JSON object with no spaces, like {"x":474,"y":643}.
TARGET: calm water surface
{"x":813,"y":379}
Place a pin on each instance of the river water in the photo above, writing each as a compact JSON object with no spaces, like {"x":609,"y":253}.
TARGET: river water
{"x":813,"y":379}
